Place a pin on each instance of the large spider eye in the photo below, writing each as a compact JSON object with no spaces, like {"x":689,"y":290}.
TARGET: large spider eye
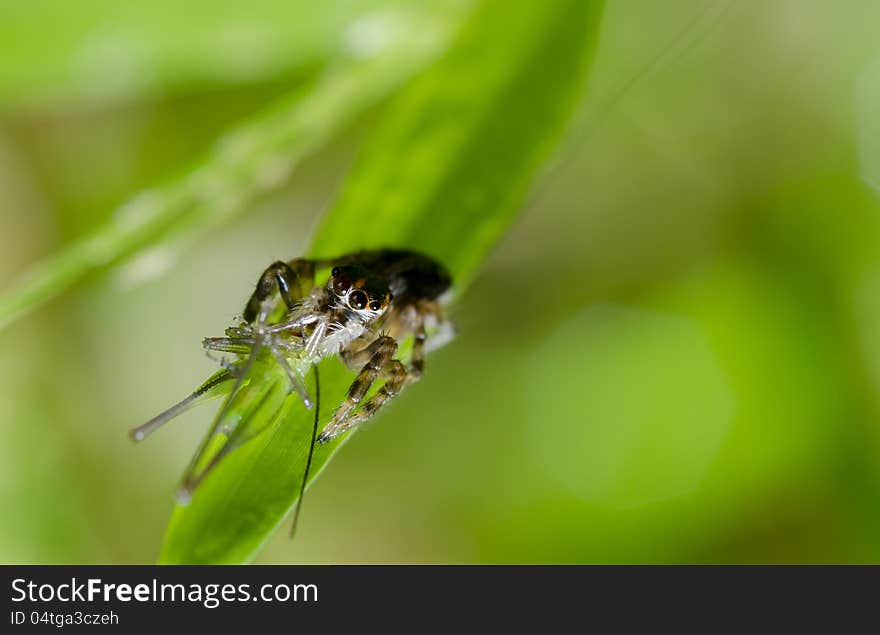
{"x":375,"y":305}
{"x":335,"y":271}
{"x":357,"y":300}
{"x":341,"y":285}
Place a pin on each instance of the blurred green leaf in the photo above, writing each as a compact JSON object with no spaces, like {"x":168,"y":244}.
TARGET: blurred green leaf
{"x":255,"y":158}
{"x":55,"y":51}
{"x":445,"y":173}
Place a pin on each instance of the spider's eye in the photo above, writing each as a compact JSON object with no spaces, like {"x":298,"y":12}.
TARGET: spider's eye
{"x":375,"y":305}
{"x":341,"y":285}
{"x":357,"y":300}
{"x":335,"y":271}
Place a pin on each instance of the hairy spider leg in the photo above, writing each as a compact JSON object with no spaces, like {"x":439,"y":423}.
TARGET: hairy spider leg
{"x":285,"y":278}
{"x":397,"y":378}
{"x":385,"y":347}
{"x":380,"y":362}
{"x":417,"y":360}
{"x":355,"y":359}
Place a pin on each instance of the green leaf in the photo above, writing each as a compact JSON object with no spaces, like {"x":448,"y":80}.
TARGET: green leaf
{"x":93,"y":50}
{"x":253,"y":159}
{"x":445,"y":173}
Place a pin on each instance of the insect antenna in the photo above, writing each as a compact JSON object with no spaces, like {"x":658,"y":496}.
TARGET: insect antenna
{"x":142,"y":431}
{"x":302,"y":489}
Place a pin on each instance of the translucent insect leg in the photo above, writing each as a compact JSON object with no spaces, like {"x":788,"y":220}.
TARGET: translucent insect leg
{"x":311,"y":347}
{"x":191,"y":479}
{"x":236,"y":345}
{"x":202,"y":393}
{"x":296,"y":381}
{"x":236,"y":437}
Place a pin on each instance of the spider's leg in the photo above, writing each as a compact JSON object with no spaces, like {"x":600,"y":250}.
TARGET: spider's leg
{"x":417,"y":360}
{"x":398,"y":377}
{"x":444,"y":333}
{"x":395,"y":373}
{"x":381,"y":363}
{"x":382,"y":350}
{"x":292,"y":280}
{"x":432,"y":329}
{"x":355,"y":358}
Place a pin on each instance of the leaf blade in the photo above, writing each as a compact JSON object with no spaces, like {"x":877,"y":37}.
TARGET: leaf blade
{"x":387,"y":201}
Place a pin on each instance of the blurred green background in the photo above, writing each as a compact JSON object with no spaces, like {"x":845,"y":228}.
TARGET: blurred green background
{"x":674,"y":356}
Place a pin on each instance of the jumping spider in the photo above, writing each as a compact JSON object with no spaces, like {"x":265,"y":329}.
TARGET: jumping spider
{"x":371,"y":301}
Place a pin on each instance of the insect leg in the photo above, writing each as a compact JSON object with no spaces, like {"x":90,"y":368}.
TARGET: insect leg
{"x":296,"y":381}
{"x":202,"y":392}
{"x":191,"y":478}
{"x":385,"y":349}
{"x":236,"y":345}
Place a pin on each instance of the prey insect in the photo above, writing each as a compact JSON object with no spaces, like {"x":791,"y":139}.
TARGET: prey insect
{"x":369,"y":304}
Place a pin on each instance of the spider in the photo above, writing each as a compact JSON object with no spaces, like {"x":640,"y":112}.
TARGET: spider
{"x":372,"y":300}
